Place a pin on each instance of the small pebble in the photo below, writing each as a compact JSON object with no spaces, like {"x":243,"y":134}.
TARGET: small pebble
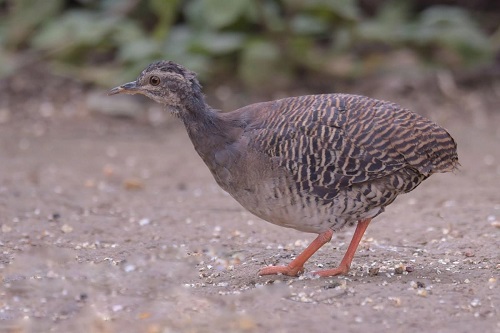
{"x":332,"y":285}
{"x":117,"y":308}
{"x":373,"y":271}
{"x":133,"y":184}
{"x":144,"y":315}
{"x":422,"y":292}
{"x":144,"y":221}
{"x":66,"y":228}
{"x":366,"y":301}
{"x":6,"y":228}
{"x":475,"y":303}
{"x":395,"y":300}
{"x":129,"y":268}
{"x":469,"y":254}
{"x":449,"y":203}
{"x":399,"y":270}
{"x":492,"y":282}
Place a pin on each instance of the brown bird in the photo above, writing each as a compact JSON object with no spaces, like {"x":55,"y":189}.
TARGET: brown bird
{"x":313,"y":163}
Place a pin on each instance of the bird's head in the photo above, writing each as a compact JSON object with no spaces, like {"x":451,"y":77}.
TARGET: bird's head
{"x":167,"y":83}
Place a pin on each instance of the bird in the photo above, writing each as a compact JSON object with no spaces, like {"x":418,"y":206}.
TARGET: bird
{"x":314,"y":163}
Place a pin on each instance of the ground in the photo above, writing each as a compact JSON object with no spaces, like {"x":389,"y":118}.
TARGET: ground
{"x":115,"y":225}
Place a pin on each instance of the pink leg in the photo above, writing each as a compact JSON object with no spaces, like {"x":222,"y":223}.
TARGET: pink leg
{"x":345,"y":264}
{"x":297,"y":265}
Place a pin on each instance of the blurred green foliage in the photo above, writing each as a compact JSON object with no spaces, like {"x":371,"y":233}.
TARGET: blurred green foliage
{"x":255,"y":41}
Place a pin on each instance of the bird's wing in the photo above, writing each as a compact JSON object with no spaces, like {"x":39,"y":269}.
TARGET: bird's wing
{"x":328,"y":142}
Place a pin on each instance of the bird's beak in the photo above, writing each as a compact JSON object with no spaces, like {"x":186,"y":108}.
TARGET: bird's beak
{"x":127,"y":88}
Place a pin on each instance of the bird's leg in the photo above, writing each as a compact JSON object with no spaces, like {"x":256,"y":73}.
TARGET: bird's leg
{"x":297,"y":265}
{"x":345,"y":264}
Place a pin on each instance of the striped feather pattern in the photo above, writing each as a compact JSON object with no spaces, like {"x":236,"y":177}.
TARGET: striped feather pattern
{"x":335,"y":144}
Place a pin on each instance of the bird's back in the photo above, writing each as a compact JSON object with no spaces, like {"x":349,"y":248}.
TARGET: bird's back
{"x":369,"y":137}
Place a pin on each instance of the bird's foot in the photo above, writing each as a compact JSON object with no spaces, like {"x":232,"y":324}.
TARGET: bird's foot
{"x":341,"y":270}
{"x":284,"y":270}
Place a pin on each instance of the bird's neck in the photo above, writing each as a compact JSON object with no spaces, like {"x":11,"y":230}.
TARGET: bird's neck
{"x":198,"y":117}
{"x":207,"y":129}
{"x":202,"y":123}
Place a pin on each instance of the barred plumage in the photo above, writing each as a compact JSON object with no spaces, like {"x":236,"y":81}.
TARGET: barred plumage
{"x":314,"y":163}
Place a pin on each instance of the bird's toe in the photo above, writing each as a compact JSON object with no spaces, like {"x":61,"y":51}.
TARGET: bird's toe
{"x":284,"y":270}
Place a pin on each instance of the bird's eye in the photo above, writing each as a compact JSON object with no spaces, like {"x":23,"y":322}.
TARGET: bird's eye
{"x":154,"y":80}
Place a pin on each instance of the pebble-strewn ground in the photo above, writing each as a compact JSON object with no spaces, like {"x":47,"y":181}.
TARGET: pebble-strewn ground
{"x":112,"y":225}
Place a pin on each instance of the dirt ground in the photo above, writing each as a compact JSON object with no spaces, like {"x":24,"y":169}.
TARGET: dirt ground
{"x":113,"y":224}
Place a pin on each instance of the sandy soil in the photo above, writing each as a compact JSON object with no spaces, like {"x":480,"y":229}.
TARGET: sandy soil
{"x":115,"y":225}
